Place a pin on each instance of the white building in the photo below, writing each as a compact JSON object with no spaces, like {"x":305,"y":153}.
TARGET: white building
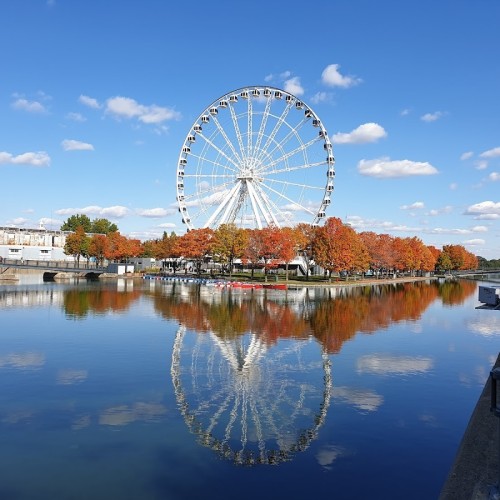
{"x":33,"y":244}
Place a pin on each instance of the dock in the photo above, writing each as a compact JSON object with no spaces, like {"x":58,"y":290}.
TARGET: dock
{"x":475,"y":471}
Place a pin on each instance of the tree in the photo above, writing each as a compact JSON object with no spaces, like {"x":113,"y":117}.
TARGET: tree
{"x":254,"y":249}
{"x":196,"y":246}
{"x":270,"y":247}
{"x":334,"y":245}
{"x":97,"y":248}
{"x":229,"y":244}
{"x":103,"y":226}
{"x":286,"y":246}
{"x":116,"y":248}
{"x":76,"y":221}
{"x":305,"y":234}
{"x":76,"y":244}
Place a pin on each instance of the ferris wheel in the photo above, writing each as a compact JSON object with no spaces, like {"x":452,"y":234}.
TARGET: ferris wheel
{"x":255,"y":157}
{"x":251,"y":403}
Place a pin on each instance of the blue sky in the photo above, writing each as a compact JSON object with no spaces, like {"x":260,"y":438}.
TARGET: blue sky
{"x":97,"y":98}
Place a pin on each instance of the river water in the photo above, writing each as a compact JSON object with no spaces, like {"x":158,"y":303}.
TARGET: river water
{"x":153,"y":390}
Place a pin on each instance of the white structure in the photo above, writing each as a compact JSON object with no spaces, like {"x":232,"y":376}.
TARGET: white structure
{"x":33,"y":244}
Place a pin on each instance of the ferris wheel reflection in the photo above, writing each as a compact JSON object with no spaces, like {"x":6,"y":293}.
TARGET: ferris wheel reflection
{"x":250,"y":401}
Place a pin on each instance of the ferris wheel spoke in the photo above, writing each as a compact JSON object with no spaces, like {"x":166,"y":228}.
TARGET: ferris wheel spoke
{"x":289,"y":154}
{"x":227,"y":202}
{"x":222,"y":153}
{"x":270,"y":207}
{"x":297,"y":184}
{"x":292,"y":133}
{"x":286,"y":198}
{"x":236,"y":126}
{"x":277,"y":126}
{"x":249,"y":128}
{"x":227,"y":139}
{"x":262,"y":205}
{"x":263,"y":124}
{"x":296,"y":167}
{"x":215,"y":164}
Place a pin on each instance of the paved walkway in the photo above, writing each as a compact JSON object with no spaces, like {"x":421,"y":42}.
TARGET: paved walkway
{"x":476,"y":467}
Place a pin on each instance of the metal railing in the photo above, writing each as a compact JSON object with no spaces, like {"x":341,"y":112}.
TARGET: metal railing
{"x":60,"y":265}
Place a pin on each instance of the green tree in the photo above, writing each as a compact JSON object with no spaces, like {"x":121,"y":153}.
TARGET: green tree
{"x":103,"y":226}
{"x":75,"y":221}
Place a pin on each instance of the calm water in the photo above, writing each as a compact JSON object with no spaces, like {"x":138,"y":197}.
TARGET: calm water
{"x":148,"y":390}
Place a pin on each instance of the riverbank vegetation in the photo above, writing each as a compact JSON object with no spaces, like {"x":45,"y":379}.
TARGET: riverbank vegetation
{"x":334,"y":248}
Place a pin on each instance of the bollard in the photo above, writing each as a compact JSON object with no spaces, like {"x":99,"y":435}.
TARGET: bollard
{"x":495,"y":377}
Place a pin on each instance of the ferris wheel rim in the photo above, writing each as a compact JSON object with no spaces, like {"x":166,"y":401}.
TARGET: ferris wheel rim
{"x":250,"y":188}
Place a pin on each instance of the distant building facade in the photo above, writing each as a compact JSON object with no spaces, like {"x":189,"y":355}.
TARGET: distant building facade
{"x":33,"y":244}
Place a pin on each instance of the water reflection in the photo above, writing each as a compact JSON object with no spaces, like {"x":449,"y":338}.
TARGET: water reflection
{"x":251,"y":402}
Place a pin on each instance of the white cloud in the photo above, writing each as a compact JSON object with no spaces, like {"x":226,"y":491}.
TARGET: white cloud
{"x":393,"y":365}
{"x":494,"y":176}
{"x":29,"y":106}
{"x":89,"y":101}
{"x":72,"y":145}
{"x":405,"y":112}
{"x":321,"y":97}
{"x":485,"y":210}
{"x":416,"y":205}
{"x":281,"y":76}
{"x":331,"y":76}
{"x":481,"y":164}
{"x":38,"y":159}
{"x":125,"y":107}
{"x":438,"y":211}
{"x":155,"y":212}
{"x":167,"y":225}
{"x":474,"y":243}
{"x":18,"y":221}
{"x":387,"y":168}
{"x":467,"y":155}
{"x":453,"y":186}
{"x":113,"y":212}
{"x":491,"y":153}
{"x":432,"y":117}
{"x":479,"y":229}
{"x":76,"y":117}
{"x":293,"y":86}
{"x":368,"y":132}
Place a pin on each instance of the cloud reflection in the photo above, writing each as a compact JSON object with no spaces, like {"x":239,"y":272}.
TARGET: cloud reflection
{"x":361,"y":399}
{"x":124,"y":415}
{"x":328,"y":454}
{"x":23,"y":361}
{"x":70,"y":377}
{"x":393,"y":365}
{"x":487,"y":325}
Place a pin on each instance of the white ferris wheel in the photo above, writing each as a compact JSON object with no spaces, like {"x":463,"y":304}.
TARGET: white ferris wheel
{"x":255,"y":157}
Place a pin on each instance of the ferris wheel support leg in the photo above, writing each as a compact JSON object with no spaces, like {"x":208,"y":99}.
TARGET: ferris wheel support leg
{"x":225,"y":201}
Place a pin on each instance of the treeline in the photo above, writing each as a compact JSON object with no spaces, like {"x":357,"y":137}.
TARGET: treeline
{"x":335,"y":247}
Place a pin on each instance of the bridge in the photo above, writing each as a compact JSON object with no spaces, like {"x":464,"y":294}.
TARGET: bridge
{"x":52,"y":267}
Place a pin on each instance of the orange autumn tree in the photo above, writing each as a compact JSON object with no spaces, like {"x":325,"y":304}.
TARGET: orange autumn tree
{"x":380,"y":250}
{"x":335,"y":246}
{"x":117,"y":246}
{"x":97,"y":248}
{"x":287,"y":246}
{"x":196,"y":246}
{"x":270,"y":247}
{"x":76,"y":244}
{"x":254,"y":249}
